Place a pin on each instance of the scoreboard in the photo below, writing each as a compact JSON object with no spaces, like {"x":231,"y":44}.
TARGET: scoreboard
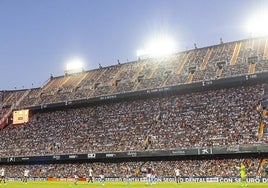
{"x":20,"y":116}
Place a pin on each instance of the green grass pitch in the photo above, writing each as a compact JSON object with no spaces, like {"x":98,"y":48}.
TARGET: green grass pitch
{"x":46,"y":184}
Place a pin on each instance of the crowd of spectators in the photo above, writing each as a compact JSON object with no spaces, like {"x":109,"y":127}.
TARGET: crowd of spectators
{"x":218,"y":54}
{"x":189,"y":168}
{"x":224,"y":117}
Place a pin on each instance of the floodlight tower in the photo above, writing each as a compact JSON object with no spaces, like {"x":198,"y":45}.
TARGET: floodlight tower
{"x":256,"y":24}
{"x":74,"y":65}
{"x":158,"y":47}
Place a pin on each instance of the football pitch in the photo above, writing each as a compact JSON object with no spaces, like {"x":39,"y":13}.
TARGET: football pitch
{"x":46,"y":184}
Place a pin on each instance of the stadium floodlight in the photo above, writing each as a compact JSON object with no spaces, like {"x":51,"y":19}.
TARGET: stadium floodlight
{"x":158,"y":47}
{"x":256,"y":25}
{"x":74,"y":65}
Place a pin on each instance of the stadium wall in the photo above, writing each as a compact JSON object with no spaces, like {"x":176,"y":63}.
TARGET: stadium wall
{"x":157,"y":155}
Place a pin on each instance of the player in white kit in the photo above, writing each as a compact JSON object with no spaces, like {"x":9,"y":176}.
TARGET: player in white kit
{"x":90,"y":175}
{"x":25,"y":175}
{"x":2,"y":175}
{"x":177,"y":175}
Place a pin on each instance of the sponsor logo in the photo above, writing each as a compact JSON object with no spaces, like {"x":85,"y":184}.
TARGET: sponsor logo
{"x":91,"y":155}
{"x":11,"y":159}
{"x":233,"y":149}
{"x":158,"y":90}
{"x":178,"y":152}
{"x":132,"y":154}
{"x":57,"y":157}
{"x":110,"y":154}
{"x":108,"y":97}
{"x":204,"y":151}
{"x":73,"y":156}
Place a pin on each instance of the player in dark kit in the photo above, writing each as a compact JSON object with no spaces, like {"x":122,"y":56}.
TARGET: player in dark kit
{"x":102,"y":178}
{"x":149,"y":175}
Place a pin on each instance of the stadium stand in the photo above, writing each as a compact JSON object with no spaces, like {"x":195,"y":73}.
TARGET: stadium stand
{"x":210,"y":63}
{"x":175,"y":118}
{"x":208,"y":118}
